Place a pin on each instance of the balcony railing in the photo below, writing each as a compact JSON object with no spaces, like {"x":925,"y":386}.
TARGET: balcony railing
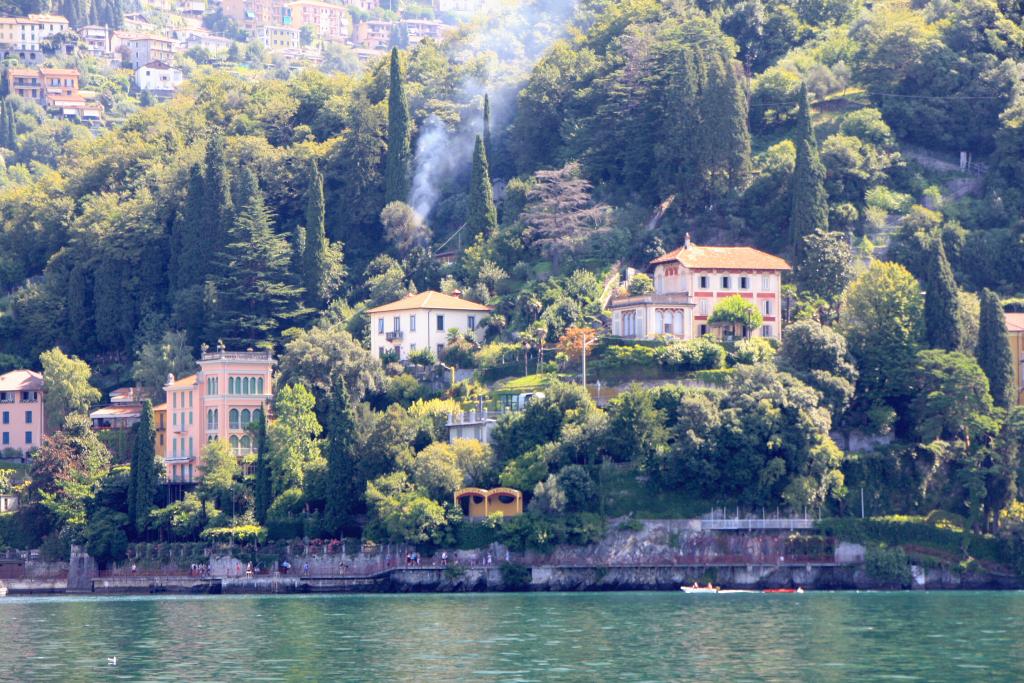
{"x":237,"y":355}
{"x":393,"y":336}
{"x":671,"y":299}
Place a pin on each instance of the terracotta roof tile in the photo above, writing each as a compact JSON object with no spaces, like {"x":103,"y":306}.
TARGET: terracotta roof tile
{"x":738,"y":258}
{"x":432,"y":300}
{"x":21,"y":380}
{"x":1015,"y":322}
{"x":183,"y":382}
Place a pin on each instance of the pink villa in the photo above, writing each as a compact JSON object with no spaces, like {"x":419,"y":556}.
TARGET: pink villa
{"x":218,"y":402}
{"x":21,"y":410}
{"x":688,"y":284}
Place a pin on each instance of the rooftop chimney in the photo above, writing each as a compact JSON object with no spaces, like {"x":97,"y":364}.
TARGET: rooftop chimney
{"x":457,"y":293}
{"x":686,"y":241}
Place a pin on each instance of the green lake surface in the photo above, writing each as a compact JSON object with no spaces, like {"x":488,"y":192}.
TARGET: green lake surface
{"x":961,"y":636}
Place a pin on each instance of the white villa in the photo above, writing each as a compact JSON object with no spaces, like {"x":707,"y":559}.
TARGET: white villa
{"x":688,"y":284}
{"x":422,"y":321}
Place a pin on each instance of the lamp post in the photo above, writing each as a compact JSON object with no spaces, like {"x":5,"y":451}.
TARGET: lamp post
{"x":583,"y":352}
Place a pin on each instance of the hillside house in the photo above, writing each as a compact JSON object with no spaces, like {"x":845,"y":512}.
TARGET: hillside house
{"x":690,"y":281}
{"x":423,"y":321}
{"x":22,"y":420}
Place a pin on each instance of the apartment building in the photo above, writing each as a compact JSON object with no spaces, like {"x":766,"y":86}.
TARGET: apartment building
{"x":21,"y":410}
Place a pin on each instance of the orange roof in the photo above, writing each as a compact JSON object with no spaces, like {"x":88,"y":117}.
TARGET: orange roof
{"x":162,"y":406}
{"x":21,"y":380}
{"x":736,"y":258}
{"x":57,"y":72}
{"x":111,"y":412}
{"x":1015,"y":322}
{"x":430,"y":299}
{"x":183,"y":382}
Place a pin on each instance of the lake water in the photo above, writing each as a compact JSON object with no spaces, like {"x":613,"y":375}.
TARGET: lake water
{"x":518,"y":637}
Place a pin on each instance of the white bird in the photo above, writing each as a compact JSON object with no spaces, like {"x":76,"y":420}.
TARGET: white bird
{"x":111,"y":661}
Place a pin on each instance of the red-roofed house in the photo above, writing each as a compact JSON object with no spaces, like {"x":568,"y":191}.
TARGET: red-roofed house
{"x":690,"y":281}
{"x":21,"y":410}
{"x":422,"y":321}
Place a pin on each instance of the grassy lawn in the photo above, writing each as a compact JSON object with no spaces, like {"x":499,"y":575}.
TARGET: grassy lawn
{"x":623,"y":493}
{"x":520,"y":385}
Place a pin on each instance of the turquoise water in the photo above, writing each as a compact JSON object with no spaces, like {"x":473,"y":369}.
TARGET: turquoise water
{"x":518,"y":637}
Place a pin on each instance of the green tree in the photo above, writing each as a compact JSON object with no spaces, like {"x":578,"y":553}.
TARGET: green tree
{"x":66,"y":383}
{"x":818,"y":356}
{"x":294,"y":437}
{"x":827,"y":266}
{"x":488,"y":149}
{"x":325,"y":354}
{"x":941,"y":302}
{"x":435,"y":471}
{"x":217,"y":474}
{"x":169,"y":356}
{"x":341,"y":456}
{"x":256,"y":293}
{"x":263,"y":492}
{"x":400,"y":512}
{"x":735,"y":310}
{"x":398,"y":167}
{"x":950,"y":392}
{"x":993,"y":351}
{"x":315,"y":267}
{"x":481,"y":214}
{"x":809,"y":208}
{"x":217,"y":208}
{"x":881,"y":316}
{"x":144,"y":470}
{"x":635,"y":428}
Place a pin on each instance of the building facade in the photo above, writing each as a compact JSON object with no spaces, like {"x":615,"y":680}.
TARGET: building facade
{"x":220,"y":402}
{"x":277,"y":38}
{"x":374,"y":34}
{"x":22,"y":420}
{"x":690,"y":281}
{"x":1015,"y":331}
{"x":24,"y":37}
{"x":139,"y":50}
{"x":330,"y":22}
{"x":422,"y":321}
{"x":158,"y":78}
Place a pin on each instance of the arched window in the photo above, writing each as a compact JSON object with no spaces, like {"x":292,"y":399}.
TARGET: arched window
{"x":233,"y":418}
{"x":234,"y":444}
{"x":246,"y":418}
{"x":259,"y":385}
{"x":257,"y":414}
{"x":211,"y":419}
{"x":231,"y":385}
{"x":245,"y":385}
{"x":246,"y":444}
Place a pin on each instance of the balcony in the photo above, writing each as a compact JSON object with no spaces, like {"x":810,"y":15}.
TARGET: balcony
{"x":396,"y":335}
{"x":668,"y":299}
{"x":237,"y":355}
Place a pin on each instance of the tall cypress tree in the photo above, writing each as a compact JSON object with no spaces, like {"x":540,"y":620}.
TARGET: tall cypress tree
{"x":189,"y":249}
{"x":218,"y":209}
{"x":993,"y":350}
{"x":481,"y":216}
{"x":341,"y":433}
{"x":487,"y":127}
{"x":144,"y":466}
{"x":263,"y":492}
{"x":315,"y":255}
{"x":941,"y":302}
{"x":809,"y":208}
{"x":398,"y":170}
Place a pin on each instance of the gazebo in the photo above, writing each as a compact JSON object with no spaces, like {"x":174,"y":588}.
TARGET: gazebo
{"x":476,"y":503}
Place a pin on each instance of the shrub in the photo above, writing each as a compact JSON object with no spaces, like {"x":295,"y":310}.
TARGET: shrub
{"x":245,"y":533}
{"x":515,"y":577}
{"x":754,"y":350}
{"x":640,"y":284}
{"x":888,"y":565}
{"x":424,"y":357}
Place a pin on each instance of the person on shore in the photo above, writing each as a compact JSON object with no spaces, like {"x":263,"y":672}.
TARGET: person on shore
{"x":133,"y":569}
{"x":305,"y":568}
{"x":444,"y":558}
{"x":488,"y":558}
{"x":248,"y":571}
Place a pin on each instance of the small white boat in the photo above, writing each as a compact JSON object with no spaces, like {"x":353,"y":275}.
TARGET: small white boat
{"x":699,"y":589}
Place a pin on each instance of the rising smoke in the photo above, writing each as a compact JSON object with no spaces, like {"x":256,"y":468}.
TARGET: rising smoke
{"x":515,"y":36}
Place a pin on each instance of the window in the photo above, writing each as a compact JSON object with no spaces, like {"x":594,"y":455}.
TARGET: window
{"x":246,"y":418}
{"x":233,"y":419}
{"x":396,"y":323}
{"x":245,"y":386}
{"x":246,"y":443}
{"x":380,"y":326}
{"x":259,"y":386}
{"x":702,"y":282}
{"x":768,"y":307}
{"x":766,"y":330}
{"x":211,"y":422}
{"x":234,"y":444}
{"x":190,"y":399}
{"x":440,"y":350}
{"x":440,"y":323}
{"x":412,"y":348}
{"x":703,"y":330}
{"x":28,"y":437}
{"x":7,"y":418}
{"x":766,"y":283}
{"x":726,"y":282}
{"x":7,"y":438}
{"x":174,"y":401}
{"x":412,"y":323}
{"x":744,"y":282}
{"x":703,"y":307}
{"x":471,"y":322}
{"x":28,"y":417}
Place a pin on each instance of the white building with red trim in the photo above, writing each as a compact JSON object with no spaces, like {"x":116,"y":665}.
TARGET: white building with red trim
{"x":690,"y":281}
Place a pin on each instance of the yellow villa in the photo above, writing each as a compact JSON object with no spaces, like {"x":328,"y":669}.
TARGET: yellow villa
{"x":479,"y":503}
